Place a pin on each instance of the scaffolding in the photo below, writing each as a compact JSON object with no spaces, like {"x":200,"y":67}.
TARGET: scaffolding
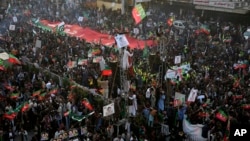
{"x":161,"y":48}
{"x":123,"y":74}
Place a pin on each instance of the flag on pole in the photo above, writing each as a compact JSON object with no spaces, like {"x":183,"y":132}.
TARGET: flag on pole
{"x":78,"y":118}
{"x":138,"y":13}
{"x":221,"y":115}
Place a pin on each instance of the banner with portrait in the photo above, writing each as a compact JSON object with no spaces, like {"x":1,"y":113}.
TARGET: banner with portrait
{"x":108,"y":110}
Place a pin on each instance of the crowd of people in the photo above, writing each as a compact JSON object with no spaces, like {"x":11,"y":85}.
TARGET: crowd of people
{"x":217,"y":72}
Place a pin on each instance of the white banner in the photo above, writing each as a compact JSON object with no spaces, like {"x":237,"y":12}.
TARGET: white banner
{"x":192,"y":95}
{"x":215,"y":3}
{"x":121,"y":40}
{"x":108,"y":110}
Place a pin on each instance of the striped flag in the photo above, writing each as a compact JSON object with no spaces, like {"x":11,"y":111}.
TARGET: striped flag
{"x":12,"y":59}
{"x":138,"y":13}
{"x":246,"y":106}
{"x":36,"y":93}
{"x":53,"y":91}
{"x":221,"y":115}
{"x":82,"y":62}
{"x":14,"y":95}
{"x":25,"y":107}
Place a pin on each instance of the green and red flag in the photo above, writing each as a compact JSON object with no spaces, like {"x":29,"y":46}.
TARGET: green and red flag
{"x":14,"y":95}
{"x":71,"y":64}
{"x":107,"y":71}
{"x":13,"y":60}
{"x":67,"y":113}
{"x":41,"y":96}
{"x":36,"y":93}
{"x":87,"y":104}
{"x":25,"y":107}
{"x":53,"y":91}
{"x":9,"y":115}
{"x":82,"y":62}
{"x":78,"y":118}
{"x":246,"y":106}
{"x":138,"y":13}
{"x":221,"y":115}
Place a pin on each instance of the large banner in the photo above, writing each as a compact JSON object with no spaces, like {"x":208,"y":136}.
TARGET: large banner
{"x":90,"y":35}
{"x":215,"y":3}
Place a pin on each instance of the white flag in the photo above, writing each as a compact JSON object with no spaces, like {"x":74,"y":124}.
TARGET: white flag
{"x":121,"y":40}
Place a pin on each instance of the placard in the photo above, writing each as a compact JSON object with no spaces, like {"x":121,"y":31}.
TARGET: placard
{"x":192,"y":95}
{"x":121,"y":40}
{"x":12,"y":27}
{"x":38,"y":44}
{"x":179,"y":99}
{"x":136,"y":31}
{"x":108,"y":110}
{"x":80,"y":19}
{"x":177,"y":59}
{"x":14,"y":19}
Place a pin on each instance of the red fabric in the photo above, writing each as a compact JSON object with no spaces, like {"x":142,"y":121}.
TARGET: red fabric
{"x":93,"y":36}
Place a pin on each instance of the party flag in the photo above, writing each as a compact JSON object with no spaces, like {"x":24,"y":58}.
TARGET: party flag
{"x":246,"y":106}
{"x":53,"y":91}
{"x":14,"y":95}
{"x":107,"y":71}
{"x":25,"y":107}
{"x":12,"y":59}
{"x":10,"y":115}
{"x":138,"y":13}
{"x":78,"y":118}
{"x":36,"y":93}
{"x":87,"y":104}
{"x":221,"y":115}
{"x":71,"y":64}
{"x":82,"y":61}
{"x":41,"y":96}
{"x":67,"y":113}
